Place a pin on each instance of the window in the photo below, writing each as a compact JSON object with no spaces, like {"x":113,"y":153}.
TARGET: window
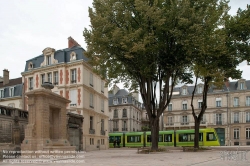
{"x":91,"y":141}
{"x":91,"y":100}
{"x":73,"y":76}
{"x":11,"y":94}
{"x":211,"y":136}
{"x":189,"y":137}
{"x":91,"y":79}
{"x":102,"y":105}
{"x":199,"y":104}
{"x":236,"y":117}
{"x":170,"y":107}
{"x":236,"y":102}
{"x":236,"y":133}
{"x":168,"y":138}
{"x":73,"y":97}
{"x":170,"y":120}
{"x":218,"y":102}
{"x":247,"y":116}
{"x":42,"y":78}
{"x":247,"y":133}
{"x":1,"y":93}
{"x":184,"y":91}
{"x":115,"y":101}
{"x":248,"y":101}
{"x":30,"y":83}
{"x":218,"y":119}
{"x":115,"y":124}
{"x":203,"y":119}
{"x":115,"y":113}
{"x":49,"y":77}
{"x":124,"y":126}
{"x":102,"y":86}
{"x":102,"y":124}
{"x":49,"y":60}
{"x":124,"y":100}
{"x":241,"y":85}
{"x":136,"y":138}
{"x":91,"y":122}
{"x":184,"y":120}
{"x":199,"y":90}
{"x":184,"y":106}
{"x":124,"y":113}
{"x":56,"y":78}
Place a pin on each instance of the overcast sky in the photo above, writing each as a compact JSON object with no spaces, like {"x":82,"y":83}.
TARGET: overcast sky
{"x":29,"y":26}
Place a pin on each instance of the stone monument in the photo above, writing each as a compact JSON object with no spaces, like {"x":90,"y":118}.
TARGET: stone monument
{"x":47,"y":122}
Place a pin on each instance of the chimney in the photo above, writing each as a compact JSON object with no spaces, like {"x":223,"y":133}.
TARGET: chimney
{"x":115,"y":89}
{"x":226,"y":81}
{"x":72,"y":42}
{"x":5,"y":77}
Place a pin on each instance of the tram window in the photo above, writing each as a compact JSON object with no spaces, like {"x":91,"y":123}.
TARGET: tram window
{"x":186,"y":137}
{"x":118,"y":138}
{"x":111,"y":139}
{"x":211,"y":137}
{"x":136,"y":138}
{"x":160,"y":138}
{"x":148,"y":138}
{"x":168,"y":138}
{"x":201,"y":136}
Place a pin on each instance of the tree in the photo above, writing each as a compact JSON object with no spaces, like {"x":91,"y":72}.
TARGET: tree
{"x":146,"y":44}
{"x":219,"y":48}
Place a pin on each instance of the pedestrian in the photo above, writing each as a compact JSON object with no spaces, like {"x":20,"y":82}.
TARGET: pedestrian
{"x":114,"y":143}
{"x":118,"y":143}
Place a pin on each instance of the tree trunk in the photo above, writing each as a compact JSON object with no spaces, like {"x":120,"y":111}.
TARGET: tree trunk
{"x":154,"y":133}
{"x":196,"y":133}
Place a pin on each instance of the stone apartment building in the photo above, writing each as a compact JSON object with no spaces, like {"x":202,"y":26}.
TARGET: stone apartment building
{"x":125,"y":111}
{"x":228,"y":111}
{"x":73,"y":78}
{"x":11,"y":91}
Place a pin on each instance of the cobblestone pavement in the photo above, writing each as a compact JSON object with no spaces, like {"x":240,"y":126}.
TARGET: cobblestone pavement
{"x":173,"y":157}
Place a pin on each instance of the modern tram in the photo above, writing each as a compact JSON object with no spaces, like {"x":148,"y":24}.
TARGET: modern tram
{"x":207,"y":137}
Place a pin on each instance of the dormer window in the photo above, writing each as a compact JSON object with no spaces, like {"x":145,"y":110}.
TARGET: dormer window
{"x":30,"y":65}
{"x":1,"y":93}
{"x":11,"y":94}
{"x":184,"y":91}
{"x":124,"y":100}
{"x":72,"y":56}
{"x":48,"y":60}
{"x":199,"y":90}
{"x":115,"y":101}
{"x":241,"y":85}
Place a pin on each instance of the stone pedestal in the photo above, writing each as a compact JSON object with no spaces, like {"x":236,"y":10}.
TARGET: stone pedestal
{"x":47,"y":126}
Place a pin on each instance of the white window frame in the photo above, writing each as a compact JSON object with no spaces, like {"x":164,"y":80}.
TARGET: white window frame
{"x":247,"y":116}
{"x":125,"y":100}
{"x":49,"y":77}
{"x":236,"y":117}
{"x":48,"y":60}
{"x":31,"y":83}
{"x":42,"y":78}
{"x":102,"y":105}
{"x":199,"y":103}
{"x":184,"y":91}
{"x":102,"y":86}
{"x":241,"y":85}
{"x":170,"y":120}
{"x":73,"y":75}
{"x":199,"y":90}
{"x":184,"y":106}
{"x":91,"y":100}
{"x":55,"y":78}
{"x":236,"y":101}
{"x":1,"y":93}
{"x":91,"y":81}
{"x":11,"y":91}
{"x":247,"y":133}
{"x":236,"y":133}
{"x":170,"y":107}
{"x":115,"y":101}
{"x":184,"y":119}
{"x":247,"y":100}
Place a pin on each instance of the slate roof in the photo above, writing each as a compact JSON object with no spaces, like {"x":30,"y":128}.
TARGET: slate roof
{"x":16,"y":83}
{"x":232,"y":87}
{"x":63,"y":56}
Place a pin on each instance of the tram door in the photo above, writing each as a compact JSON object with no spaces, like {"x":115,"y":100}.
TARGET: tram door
{"x":221,"y":135}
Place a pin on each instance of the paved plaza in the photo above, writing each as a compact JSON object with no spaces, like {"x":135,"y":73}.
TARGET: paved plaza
{"x":172,"y":157}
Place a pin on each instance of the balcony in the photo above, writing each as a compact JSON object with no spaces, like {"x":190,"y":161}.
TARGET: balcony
{"x":72,"y":105}
{"x":55,"y":83}
{"x":248,"y":121}
{"x":203,"y":122}
{"x":115,"y":116}
{"x":184,"y":123}
{"x":236,"y":105}
{"x":91,"y":131}
{"x":115,"y":129}
{"x":169,"y":124}
{"x":124,"y":129}
{"x":124,"y":116}
{"x":236,"y":121}
{"x":73,"y":81}
{"x":102,"y":132}
{"x":218,"y":123}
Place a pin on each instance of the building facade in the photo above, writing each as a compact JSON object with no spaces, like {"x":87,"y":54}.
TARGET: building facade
{"x":73,"y":78}
{"x":228,"y":111}
{"x":125,"y":111}
{"x":11,"y":91}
